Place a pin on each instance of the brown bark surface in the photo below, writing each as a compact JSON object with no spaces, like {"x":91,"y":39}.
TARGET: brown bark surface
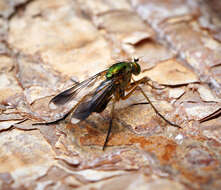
{"x":46,"y":46}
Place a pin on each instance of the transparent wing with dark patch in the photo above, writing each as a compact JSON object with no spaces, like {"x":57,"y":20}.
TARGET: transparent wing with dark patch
{"x":95,"y":102}
{"x":79,"y":90}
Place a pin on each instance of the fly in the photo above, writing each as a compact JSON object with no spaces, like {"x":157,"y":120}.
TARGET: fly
{"x":93,"y":94}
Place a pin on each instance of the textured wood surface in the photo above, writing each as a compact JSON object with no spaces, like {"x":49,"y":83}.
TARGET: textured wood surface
{"x":46,"y":46}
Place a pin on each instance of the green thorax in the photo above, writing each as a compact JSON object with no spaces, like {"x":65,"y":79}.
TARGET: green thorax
{"x":117,"y":68}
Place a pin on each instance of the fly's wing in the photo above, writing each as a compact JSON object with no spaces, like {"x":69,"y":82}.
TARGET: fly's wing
{"x":75,"y":93}
{"x":96,"y":102}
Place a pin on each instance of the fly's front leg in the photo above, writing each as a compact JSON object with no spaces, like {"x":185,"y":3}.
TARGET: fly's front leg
{"x":133,"y":87}
{"x":154,"y":108}
{"x":152,"y":84}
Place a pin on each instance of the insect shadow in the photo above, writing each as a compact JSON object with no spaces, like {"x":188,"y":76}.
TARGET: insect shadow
{"x":93,"y":94}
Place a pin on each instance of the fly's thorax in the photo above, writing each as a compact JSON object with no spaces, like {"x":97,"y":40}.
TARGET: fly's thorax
{"x":122,"y":72}
{"x":123,"y":68}
{"x":120,"y":68}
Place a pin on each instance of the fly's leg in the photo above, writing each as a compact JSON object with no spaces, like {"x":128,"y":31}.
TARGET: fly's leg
{"x":149,"y":82}
{"x":155,"y":109}
{"x":157,"y":112}
{"x":55,"y":121}
{"x":133,"y":87}
{"x":144,"y":80}
{"x":110,"y":124}
{"x":140,"y":103}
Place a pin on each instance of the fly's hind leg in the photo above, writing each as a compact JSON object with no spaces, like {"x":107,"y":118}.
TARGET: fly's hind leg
{"x":110,"y":124}
{"x":55,"y":121}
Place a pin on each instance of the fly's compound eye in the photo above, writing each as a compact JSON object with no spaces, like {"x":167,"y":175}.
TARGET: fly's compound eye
{"x":136,"y":60}
{"x":136,"y":68}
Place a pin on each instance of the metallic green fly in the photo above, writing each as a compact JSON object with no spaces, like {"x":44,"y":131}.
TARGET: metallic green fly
{"x":93,"y":94}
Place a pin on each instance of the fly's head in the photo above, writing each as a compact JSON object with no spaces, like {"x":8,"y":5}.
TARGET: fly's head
{"x":135,"y":66}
